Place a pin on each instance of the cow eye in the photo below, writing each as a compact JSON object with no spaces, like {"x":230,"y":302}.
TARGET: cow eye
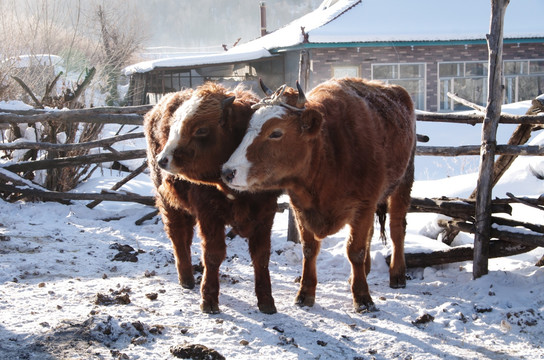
{"x":276,"y":134}
{"x":201,"y":132}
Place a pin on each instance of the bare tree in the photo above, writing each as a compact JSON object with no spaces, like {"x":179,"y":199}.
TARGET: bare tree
{"x":118,"y":45}
{"x":32,"y":33}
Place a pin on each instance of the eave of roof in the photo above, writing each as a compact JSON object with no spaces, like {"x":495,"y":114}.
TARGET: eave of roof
{"x":226,"y":58}
{"x":331,"y":45}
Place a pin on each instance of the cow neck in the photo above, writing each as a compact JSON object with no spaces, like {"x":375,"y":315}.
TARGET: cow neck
{"x":305,"y":187}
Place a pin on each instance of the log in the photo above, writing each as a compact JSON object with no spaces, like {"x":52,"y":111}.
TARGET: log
{"x":454,"y":207}
{"x":510,"y":150}
{"x":500,"y":232}
{"x":74,"y":117}
{"x":94,"y":115}
{"x":527,"y":201}
{"x":70,"y":147}
{"x":75,"y":161}
{"x":514,"y":223}
{"x":474,"y":119}
{"x":118,"y":185}
{"x":422,"y":138}
{"x":497,"y":248}
{"x":149,"y":216}
{"x":140,"y":109}
{"x":8,"y":176}
{"x":56,"y":195}
{"x":466,"y":102}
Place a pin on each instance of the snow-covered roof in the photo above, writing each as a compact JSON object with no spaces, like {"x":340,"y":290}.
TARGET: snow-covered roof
{"x":378,"y":21}
{"x":374,"y":21}
{"x":225,"y":57}
{"x":23,"y":61}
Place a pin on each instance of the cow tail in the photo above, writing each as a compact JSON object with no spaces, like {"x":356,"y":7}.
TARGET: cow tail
{"x":381,"y":211}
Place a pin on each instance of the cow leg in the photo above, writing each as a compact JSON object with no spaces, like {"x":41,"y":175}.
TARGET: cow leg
{"x":358,"y":252}
{"x":214,"y":250}
{"x":259,"y":248}
{"x":308,"y":282}
{"x":179,"y":226}
{"x":398,"y":207}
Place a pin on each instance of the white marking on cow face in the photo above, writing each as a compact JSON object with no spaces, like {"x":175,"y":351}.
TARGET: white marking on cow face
{"x":235,"y":171}
{"x":185,"y":111}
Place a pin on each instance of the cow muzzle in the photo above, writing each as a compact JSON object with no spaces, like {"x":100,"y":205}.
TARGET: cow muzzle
{"x":235,"y":177}
{"x":228,"y":175}
{"x":164,"y":161}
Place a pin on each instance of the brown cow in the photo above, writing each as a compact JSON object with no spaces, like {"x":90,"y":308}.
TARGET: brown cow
{"x":342,"y":155}
{"x":189,"y":135}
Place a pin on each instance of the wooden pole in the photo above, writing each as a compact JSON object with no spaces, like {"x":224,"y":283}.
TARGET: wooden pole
{"x":304,"y":69}
{"x":489,"y":142}
{"x":303,"y":79}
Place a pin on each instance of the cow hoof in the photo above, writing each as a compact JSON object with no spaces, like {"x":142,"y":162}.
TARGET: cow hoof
{"x":267,"y":308}
{"x":365,"y":308}
{"x":187,"y":283}
{"x":304,"y":300}
{"x":208,"y":308}
{"x":397,"y":282}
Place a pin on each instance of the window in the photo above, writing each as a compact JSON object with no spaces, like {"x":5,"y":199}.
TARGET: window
{"x":523,"y":80}
{"x":345,"y":71}
{"x":465,"y":79}
{"x":409,"y":76}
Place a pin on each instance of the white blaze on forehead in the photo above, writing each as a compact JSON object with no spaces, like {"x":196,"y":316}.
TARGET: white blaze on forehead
{"x":264,"y":114}
{"x":238,"y":160}
{"x":185,"y":111}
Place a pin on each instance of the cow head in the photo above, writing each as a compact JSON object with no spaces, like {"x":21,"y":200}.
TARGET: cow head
{"x":277,"y":145}
{"x":204,"y":130}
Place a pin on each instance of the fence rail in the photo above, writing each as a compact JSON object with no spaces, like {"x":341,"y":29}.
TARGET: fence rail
{"x":457,"y":209}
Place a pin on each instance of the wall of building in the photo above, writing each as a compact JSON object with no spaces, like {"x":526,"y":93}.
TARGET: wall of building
{"x":323,"y":60}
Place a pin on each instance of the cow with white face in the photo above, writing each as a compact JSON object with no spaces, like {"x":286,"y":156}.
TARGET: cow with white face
{"x":190,"y":134}
{"x":342,"y":154}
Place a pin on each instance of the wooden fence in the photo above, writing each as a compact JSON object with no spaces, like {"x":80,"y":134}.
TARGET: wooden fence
{"x":460,"y":210}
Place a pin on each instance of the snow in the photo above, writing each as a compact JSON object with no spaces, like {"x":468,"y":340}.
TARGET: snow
{"x":57,"y":259}
{"x":24,"y":61}
{"x":206,"y":59}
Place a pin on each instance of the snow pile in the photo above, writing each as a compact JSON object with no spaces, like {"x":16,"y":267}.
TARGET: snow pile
{"x":65,"y":294}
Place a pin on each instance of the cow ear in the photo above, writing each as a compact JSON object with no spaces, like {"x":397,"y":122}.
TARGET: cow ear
{"x":226,"y":107}
{"x":310,"y":122}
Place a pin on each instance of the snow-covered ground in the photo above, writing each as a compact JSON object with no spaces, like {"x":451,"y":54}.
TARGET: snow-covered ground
{"x":63,"y":294}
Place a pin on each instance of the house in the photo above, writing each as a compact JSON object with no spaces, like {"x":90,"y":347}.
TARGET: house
{"x":430,"y":47}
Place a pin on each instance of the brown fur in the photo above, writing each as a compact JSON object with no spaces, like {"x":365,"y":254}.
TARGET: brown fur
{"x":349,"y":154}
{"x":193,"y":195}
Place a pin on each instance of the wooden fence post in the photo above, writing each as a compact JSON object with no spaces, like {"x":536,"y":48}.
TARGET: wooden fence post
{"x":303,"y":78}
{"x":489,"y":142}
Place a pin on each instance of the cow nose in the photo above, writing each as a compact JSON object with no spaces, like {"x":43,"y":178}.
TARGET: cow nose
{"x":228,"y":174}
{"x":163,"y":162}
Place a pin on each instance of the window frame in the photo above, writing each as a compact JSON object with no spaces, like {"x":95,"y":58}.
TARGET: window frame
{"x":421,"y":103}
